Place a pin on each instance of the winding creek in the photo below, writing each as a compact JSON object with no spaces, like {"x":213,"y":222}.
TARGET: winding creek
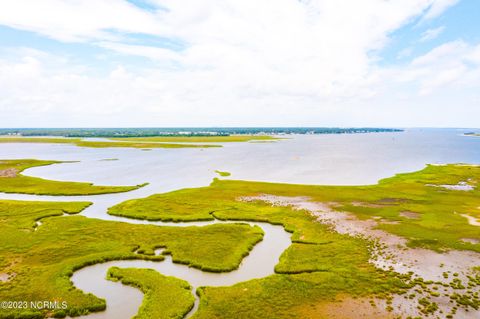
{"x":347,"y":159}
{"x":123,"y":301}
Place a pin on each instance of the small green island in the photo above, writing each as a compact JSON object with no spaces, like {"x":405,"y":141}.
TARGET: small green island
{"x":165,"y":297}
{"x":223,"y":173}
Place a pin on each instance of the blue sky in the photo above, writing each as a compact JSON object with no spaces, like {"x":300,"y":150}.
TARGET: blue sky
{"x":239,"y":63}
{"x":461,"y":21}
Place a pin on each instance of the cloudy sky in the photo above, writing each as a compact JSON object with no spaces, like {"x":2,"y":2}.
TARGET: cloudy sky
{"x":84,"y":63}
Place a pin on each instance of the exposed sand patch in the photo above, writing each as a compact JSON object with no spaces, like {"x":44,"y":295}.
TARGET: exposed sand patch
{"x":410,"y":215}
{"x":408,"y":308}
{"x":4,"y":277}
{"x":388,"y":222}
{"x":461,"y":186}
{"x":471,"y":220}
{"x":380,"y":203}
{"x":341,"y":222}
{"x":471,"y":240}
{"x":6,"y":273}
{"x":389,"y":252}
{"x":9,"y":172}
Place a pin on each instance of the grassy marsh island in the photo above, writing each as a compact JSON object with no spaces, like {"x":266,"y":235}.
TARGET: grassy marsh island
{"x":402,"y":241}
{"x":38,"y":261}
{"x":223,"y":174}
{"x":99,"y":144}
{"x":164,"y":297}
{"x":12,"y":181}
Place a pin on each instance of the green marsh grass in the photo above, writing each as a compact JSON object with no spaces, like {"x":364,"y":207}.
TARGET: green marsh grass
{"x":164,"y":297}
{"x":223,"y":174}
{"x":439,"y":225}
{"x":43,"y":260}
{"x":15,"y":182}
{"x":321,"y":264}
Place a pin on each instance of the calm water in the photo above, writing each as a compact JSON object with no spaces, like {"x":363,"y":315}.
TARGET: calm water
{"x":319,"y":159}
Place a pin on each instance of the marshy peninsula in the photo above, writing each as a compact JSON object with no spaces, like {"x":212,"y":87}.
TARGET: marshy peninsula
{"x":315,"y":223}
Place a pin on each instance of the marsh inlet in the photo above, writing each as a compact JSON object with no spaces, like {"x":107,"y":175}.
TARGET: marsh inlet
{"x":123,"y":301}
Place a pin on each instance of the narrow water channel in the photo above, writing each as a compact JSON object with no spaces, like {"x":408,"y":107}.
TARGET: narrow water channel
{"x":123,"y":301}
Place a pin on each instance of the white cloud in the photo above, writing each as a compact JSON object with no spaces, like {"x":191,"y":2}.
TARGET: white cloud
{"x":431,"y":34}
{"x":79,"y":20}
{"x":450,"y":66}
{"x":282,"y":62}
{"x":150,"y":52}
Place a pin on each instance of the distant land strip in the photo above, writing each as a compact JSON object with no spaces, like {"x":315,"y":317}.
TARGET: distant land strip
{"x":186,"y":131}
{"x":98,"y":144}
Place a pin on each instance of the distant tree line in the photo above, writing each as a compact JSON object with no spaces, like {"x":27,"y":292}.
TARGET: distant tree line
{"x":186,"y":131}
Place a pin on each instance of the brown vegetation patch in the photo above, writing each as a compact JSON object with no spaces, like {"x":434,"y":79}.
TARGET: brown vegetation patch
{"x":380,"y":203}
{"x":6,"y":273}
{"x":410,"y":215}
{"x":370,"y":205}
{"x":9,"y":172}
{"x":342,"y":309}
{"x":392,"y":200}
